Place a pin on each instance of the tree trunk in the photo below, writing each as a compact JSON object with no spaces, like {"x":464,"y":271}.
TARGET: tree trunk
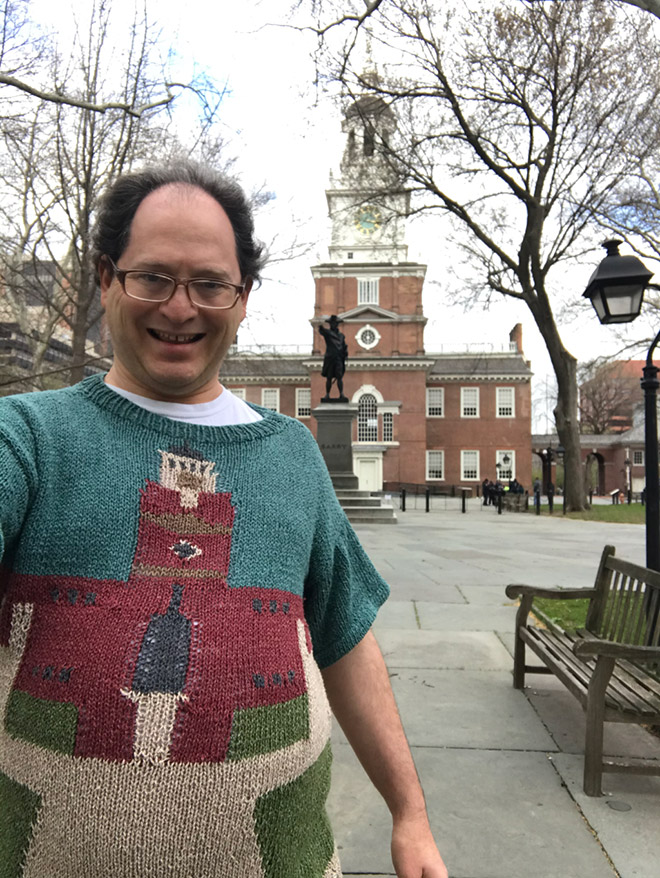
{"x":566,"y":410}
{"x":568,"y":430}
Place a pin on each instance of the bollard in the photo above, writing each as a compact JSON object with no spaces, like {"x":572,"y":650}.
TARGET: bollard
{"x":428,"y":499}
{"x":551,"y":503}
{"x":591,"y":496}
{"x":403,"y":499}
{"x":463,"y":493}
{"x":537,"y":502}
{"x":499,"y":504}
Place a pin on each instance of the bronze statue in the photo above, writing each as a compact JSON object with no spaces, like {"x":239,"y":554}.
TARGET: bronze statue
{"x":334,"y":361}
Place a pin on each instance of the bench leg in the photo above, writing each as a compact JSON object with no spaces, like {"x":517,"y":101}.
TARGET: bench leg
{"x":593,"y":742}
{"x":519,"y":644}
{"x":519,"y":663}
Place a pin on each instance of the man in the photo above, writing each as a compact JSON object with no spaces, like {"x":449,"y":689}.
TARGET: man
{"x":181,"y":589}
{"x":334,"y":361}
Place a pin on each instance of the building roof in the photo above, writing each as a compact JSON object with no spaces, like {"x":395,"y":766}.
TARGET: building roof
{"x":265,"y":365}
{"x":479,"y":365}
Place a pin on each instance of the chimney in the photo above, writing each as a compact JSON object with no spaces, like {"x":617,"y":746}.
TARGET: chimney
{"x":515,"y":337}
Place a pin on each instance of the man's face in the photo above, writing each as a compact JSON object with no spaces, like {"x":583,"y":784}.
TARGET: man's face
{"x":173,"y":350}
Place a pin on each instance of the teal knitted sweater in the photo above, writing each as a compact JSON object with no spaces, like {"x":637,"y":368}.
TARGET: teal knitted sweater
{"x":168,"y":594}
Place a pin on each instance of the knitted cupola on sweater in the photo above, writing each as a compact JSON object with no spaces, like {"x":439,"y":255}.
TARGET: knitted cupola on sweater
{"x":169,"y":593}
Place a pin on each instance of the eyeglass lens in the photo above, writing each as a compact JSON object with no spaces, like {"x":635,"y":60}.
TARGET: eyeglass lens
{"x":159,"y":287}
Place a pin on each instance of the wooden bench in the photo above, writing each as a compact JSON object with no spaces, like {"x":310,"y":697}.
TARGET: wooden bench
{"x":612,"y":666}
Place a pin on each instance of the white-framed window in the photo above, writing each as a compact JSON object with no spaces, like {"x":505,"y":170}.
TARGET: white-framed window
{"x":469,"y":402}
{"x":638,"y":458}
{"x":303,"y":402}
{"x":505,"y":465}
{"x":238,"y":392}
{"x":505,"y":402}
{"x":435,"y":402}
{"x":435,"y":465}
{"x":388,"y":427}
{"x":368,"y":290}
{"x":469,"y":466}
{"x":270,"y":398}
{"x":367,"y":418}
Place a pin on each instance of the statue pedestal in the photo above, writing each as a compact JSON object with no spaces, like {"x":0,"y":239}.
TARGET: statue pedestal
{"x":334,"y":439}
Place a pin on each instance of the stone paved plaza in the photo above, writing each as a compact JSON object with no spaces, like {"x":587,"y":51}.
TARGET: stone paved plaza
{"x":502,"y":769}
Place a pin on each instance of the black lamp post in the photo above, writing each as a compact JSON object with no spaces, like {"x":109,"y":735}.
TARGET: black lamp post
{"x":616,"y":290}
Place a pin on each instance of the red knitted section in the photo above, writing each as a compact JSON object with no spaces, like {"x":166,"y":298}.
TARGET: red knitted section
{"x":174,"y":627}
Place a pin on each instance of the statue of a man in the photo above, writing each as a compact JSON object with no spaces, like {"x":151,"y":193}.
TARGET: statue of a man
{"x":334,"y":362}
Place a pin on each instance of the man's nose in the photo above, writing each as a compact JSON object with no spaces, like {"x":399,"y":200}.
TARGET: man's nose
{"x":179,"y":306}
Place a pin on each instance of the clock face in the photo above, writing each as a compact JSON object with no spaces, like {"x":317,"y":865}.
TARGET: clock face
{"x":367,"y":220}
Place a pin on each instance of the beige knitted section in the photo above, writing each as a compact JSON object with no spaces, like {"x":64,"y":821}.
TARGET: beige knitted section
{"x":21,"y":616}
{"x":109,"y":820}
{"x":156,"y":713}
{"x":334,"y":869}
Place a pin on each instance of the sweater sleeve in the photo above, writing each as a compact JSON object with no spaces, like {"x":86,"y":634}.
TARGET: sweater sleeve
{"x":343,"y":590}
{"x":17,"y":476}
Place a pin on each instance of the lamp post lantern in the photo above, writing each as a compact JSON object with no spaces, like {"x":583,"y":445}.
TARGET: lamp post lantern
{"x":616,"y":290}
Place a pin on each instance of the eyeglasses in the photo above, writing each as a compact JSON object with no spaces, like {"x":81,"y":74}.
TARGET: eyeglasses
{"x":152,"y":286}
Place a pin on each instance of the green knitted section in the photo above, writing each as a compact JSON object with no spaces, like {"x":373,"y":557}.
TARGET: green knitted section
{"x":50,"y":724}
{"x":292,"y":827}
{"x":19,"y":813}
{"x":257,"y":730}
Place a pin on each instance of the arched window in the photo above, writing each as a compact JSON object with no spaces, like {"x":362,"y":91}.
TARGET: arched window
{"x":367,"y":418}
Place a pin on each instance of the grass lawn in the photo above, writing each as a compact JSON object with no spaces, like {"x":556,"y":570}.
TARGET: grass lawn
{"x":622,"y":513}
{"x":569,"y":615}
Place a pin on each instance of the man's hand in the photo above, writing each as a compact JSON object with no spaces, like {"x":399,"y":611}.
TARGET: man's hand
{"x":361,"y":698}
{"x":414,"y":852}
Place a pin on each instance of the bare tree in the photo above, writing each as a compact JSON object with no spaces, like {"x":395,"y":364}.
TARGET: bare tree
{"x":21,"y":73}
{"x":609,"y":394}
{"x":515,"y":123}
{"x":58,"y":158}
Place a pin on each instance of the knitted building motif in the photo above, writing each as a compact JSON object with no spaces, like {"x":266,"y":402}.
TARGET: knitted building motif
{"x":170,"y":666}
{"x":170,"y":684}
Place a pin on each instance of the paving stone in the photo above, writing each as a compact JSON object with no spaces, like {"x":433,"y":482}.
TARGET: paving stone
{"x":493,"y":814}
{"x":631,"y":837}
{"x":468,"y":617}
{"x":486,"y":594}
{"x":466,"y":709}
{"x":564,"y":718}
{"x":471,"y":650}
{"x":396,"y":614}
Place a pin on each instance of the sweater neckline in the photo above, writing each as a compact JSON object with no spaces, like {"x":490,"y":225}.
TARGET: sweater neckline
{"x":96,"y":390}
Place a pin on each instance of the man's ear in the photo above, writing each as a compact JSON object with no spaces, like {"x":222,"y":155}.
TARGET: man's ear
{"x":106,"y":277}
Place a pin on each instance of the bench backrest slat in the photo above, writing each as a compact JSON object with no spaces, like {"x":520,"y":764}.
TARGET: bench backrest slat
{"x":625,"y":607}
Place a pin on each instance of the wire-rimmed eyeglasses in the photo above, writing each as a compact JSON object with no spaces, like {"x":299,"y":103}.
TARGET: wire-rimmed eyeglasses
{"x":153,"y":286}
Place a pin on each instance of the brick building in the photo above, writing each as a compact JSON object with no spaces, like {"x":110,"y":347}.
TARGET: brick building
{"x":443,"y":419}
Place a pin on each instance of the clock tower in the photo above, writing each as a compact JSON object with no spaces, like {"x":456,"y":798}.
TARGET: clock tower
{"x":371,"y":285}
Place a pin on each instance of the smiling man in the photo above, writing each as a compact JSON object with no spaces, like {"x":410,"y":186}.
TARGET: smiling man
{"x":183,"y":599}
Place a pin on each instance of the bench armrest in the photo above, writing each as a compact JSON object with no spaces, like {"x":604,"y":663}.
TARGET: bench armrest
{"x":585,"y":648}
{"x":516,"y":591}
